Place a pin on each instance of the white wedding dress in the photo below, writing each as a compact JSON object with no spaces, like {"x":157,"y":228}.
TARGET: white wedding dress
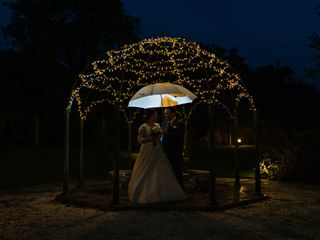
{"x":152,"y":179}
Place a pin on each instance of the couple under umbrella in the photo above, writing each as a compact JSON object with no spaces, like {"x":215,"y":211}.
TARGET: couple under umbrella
{"x":157,"y":172}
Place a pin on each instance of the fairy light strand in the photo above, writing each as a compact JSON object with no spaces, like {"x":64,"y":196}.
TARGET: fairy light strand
{"x":115,"y":77}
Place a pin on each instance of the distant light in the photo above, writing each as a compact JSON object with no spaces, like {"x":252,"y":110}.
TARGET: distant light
{"x":239,"y":140}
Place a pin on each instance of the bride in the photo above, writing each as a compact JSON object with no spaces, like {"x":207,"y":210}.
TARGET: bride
{"x":152,"y":178}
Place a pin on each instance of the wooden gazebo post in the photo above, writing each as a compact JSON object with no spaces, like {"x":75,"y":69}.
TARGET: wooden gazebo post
{"x":237,"y":184}
{"x":67,"y":153}
{"x":80,"y":181}
{"x":129,"y":138}
{"x":212,"y":184}
{"x":115,"y":176}
{"x":257,"y":152}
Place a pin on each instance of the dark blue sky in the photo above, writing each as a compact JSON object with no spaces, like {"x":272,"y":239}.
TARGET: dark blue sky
{"x":262,"y":30}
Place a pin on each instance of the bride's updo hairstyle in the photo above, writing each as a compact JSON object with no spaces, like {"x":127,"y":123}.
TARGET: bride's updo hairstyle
{"x":147,"y":114}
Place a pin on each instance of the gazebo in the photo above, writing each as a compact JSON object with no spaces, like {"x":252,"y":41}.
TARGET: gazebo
{"x":118,"y":74}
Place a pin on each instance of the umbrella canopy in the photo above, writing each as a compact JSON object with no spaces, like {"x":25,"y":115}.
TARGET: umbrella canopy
{"x":161,"y":95}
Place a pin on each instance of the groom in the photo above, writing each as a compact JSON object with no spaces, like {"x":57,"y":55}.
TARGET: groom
{"x":173,"y":141}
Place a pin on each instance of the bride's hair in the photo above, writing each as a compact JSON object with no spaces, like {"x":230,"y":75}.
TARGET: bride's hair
{"x":148,"y":113}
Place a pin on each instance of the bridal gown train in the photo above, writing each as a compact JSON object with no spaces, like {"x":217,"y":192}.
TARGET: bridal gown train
{"x":152,"y":178}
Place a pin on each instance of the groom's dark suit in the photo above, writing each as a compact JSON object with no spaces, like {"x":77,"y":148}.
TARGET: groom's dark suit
{"x":173,"y":143}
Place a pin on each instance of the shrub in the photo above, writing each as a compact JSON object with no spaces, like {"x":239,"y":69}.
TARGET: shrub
{"x":289,"y":155}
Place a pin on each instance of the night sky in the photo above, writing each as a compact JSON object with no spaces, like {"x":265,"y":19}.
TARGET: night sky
{"x":264,"y":31}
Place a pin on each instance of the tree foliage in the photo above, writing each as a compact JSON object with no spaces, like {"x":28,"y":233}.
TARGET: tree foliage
{"x":69,"y":32}
{"x":51,"y":42}
{"x":314,"y":40}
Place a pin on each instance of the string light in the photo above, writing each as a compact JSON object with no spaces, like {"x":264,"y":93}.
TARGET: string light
{"x":118,"y":74}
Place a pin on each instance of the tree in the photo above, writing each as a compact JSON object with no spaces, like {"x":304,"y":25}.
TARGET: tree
{"x":269,"y":87}
{"x":54,"y":41}
{"x":314,"y":39}
{"x":69,"y":32}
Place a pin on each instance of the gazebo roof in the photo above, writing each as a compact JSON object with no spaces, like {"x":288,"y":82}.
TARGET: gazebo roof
{"x":118,"y":74}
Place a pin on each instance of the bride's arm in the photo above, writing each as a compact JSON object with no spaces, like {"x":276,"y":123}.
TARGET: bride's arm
{"x":142,"y":136}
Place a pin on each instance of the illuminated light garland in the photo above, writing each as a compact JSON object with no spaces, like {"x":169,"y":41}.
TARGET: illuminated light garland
{"x":120,"y":73}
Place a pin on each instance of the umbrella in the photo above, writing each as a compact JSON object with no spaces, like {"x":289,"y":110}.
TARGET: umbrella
{"x":161,"y":95}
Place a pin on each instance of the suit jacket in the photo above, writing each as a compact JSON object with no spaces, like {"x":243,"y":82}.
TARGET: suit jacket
{"x":173,"y":139}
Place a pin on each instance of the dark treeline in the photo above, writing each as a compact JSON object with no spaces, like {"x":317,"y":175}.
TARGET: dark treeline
{"x":53,"y":41}
{"x":290,"y":118}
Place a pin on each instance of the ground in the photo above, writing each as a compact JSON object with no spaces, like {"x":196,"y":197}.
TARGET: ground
{"x":293,"y":212}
